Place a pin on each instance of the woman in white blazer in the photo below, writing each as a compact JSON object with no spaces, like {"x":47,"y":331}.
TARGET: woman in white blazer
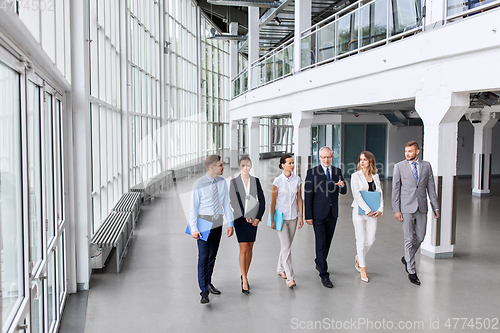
{"x":365,"y":226}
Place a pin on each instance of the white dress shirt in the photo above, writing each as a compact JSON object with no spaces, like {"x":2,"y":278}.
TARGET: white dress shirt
{"x":202,"y":200}
{"x":330,"y":170}
{"x":286,"y":201}
{"x":247,"y":192}
{"x":418,"y":167}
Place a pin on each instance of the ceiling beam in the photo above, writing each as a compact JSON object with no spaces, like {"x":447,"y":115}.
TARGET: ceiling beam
{"x":270,"y":14}
{"x":235,"y":15}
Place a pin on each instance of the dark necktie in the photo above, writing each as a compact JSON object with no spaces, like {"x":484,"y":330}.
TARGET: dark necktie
{"x":415,"y":171}
{"x":328,"y":174}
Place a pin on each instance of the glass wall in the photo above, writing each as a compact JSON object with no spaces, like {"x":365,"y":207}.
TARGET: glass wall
{"x":11,"y":196}
{"x":181,"y":89}
{"x":144,"y":99}
{"x":282,"y":135}
{"x":357,"y":27}
{"x":242,"y":138}
{"x":32,"y":214}
{"x":276,"y":136}
{"x":458,"y":6}
{"x":105,"y":107}
{"x":326,"y":135}
{"x":215,"y":90}
{"x":360,"y":137}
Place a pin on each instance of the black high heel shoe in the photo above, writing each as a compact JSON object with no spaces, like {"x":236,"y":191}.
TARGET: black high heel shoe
{"x":247,"y":291}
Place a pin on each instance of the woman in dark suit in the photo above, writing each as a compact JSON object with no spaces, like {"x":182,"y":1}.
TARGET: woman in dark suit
{"x":248,"y":203}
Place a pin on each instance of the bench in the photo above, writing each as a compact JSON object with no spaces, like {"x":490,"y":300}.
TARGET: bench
{"x":130,"y":202}
{"x":148,"y":188}
{"x":165,"y":179}
{"x":115,"y":231}
{"x":271,"y":154}
{"x":187,"y":169}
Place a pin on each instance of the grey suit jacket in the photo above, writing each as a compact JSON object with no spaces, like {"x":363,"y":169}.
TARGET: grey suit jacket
{"x":407,"y":195}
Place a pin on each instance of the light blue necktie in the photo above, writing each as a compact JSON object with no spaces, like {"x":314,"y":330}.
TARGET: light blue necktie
{"x":216,"y":200}
{"x":415,"y":172}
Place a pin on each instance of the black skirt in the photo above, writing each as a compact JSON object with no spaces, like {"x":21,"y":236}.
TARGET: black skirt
{"x":245,"y":232}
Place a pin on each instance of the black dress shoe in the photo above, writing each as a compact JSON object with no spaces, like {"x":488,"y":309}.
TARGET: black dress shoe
{"x":213,"y":290}
{"x":204,"y":298}
{"x":414,"y":279}
{"x":403,"y":260}
{"x":246,"y":292}
{"x":241,"y":277}
{"x":327,"y":283}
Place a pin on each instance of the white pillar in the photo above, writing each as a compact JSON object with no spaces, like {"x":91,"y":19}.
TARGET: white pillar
{"x":81,"y":146}
{"x":302,"y":22}
{"x":440,"y":113}
{"x":253,"y":144}
{"x":233,"y":162}
{"x":481,"y":167}
{"x":253,"y":45}
{"x":302,"y":141}
{"x":125,"y":93}
{"x":233,"y":51}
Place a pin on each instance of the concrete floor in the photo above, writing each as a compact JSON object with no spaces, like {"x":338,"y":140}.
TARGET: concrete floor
{"x":157,"y":290}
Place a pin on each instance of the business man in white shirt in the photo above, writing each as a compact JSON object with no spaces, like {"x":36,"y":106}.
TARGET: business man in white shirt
{"x":209,"y":200}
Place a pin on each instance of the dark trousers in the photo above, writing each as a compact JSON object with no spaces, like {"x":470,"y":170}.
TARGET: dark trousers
{"x":207,"y":251}
{"x":323,"y":231}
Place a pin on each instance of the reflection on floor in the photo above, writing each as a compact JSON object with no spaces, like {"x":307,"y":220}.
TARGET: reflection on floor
{"x":157,"y":290}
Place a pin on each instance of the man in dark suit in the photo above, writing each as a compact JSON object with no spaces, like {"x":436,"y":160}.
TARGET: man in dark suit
{"x":322,"y":187}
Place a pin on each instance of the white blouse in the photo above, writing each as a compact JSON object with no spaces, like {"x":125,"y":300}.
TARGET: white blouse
{"x":358,"y":184}
{"x":286,"y":201}
{"x":247,"y":192}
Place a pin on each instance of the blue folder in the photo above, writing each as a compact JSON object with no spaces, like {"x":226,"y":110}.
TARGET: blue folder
{"x":278,"y":219}
{"x":204,"y":228}
{"x":372,"y":199}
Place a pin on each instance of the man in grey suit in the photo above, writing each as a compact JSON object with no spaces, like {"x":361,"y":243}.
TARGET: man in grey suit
{"x":411,"y":183}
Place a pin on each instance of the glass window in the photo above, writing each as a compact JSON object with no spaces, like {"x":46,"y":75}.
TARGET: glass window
{"x":347,"y":33}
{"x":51,"y":291}
{"x":34,"y":174}
{"x":326,"y":42}
{"x":374,"y":22}
{"x":49,"y":166}
{"x":37,"y":322}
{"x":405,"y":15}
{"x":61,"y":264}
{"x":58,"y":193}
{"x":11,"y":219}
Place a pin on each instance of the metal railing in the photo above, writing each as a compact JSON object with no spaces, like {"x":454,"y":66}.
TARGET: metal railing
{"x":357,"y":28}
{"x":458,"y":9}
{"x":272,"y":66}
{"x":352,"y":30}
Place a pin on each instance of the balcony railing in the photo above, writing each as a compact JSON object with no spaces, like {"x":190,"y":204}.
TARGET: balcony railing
{"x":358,"y":27}
{"x":457,"y":9}
{"x":355,"y":29}
{"x":272,"y":66}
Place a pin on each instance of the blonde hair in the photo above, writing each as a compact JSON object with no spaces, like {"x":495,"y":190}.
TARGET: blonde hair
{"x":371,"y":158}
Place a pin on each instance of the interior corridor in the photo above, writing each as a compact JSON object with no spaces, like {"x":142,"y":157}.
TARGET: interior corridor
{"x":157,"y":290}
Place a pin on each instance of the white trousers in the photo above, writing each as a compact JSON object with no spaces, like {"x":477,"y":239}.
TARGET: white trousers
{"x":286,"y":238}
{"x":365,"y":228}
